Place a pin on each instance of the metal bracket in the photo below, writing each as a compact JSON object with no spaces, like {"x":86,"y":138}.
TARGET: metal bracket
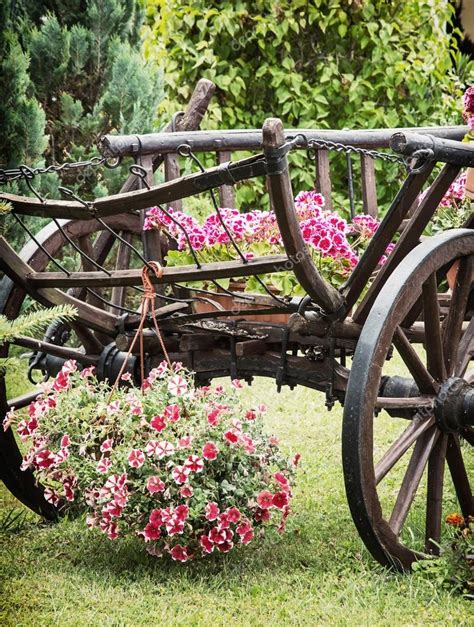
{"x":330,"y":386}
{"x":281,"y":371}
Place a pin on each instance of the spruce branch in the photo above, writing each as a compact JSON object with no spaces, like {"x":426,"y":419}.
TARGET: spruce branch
{"x":33,"y":322}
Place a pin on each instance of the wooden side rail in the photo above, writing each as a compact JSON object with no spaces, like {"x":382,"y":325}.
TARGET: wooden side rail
{"x":171,"y":274}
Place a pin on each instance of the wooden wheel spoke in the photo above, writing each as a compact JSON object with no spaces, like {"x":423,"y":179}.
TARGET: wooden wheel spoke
{"x":415,"y":429}
{"x":434,"y":495}
{"x":455,"y":318}
{"x":410,"y":402}
{"x":424,"y":380}
{"x":466,"y":350}
{"x":412,"y":478}
{"x":433,"y":340}
{"x":459,"y":476}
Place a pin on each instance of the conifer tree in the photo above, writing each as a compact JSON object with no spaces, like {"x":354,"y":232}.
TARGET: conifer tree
{"x":81,"y":62}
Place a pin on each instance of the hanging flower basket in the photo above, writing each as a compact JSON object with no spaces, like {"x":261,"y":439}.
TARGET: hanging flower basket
{"x":189,"y":470}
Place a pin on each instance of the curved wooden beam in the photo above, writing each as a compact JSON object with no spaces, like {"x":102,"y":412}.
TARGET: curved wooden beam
{"x":281,"y":197}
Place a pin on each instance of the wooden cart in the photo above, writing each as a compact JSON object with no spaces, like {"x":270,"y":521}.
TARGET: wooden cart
{"x":337,"y":341}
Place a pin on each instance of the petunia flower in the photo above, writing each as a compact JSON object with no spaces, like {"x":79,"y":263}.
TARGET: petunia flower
{"x":194,"y":463}
{"x":177,"y":386}
{"x":210,"y":451}
{"x":265,"y":499}
{"x":180,"y":553}
{"x":211,"y":511}
{"x":155,"y":484}
{"x":180,"y":474}
{"x":136,"y":458}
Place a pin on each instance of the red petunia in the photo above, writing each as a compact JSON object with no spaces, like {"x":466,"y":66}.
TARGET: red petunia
{"x":207,"y":545}
{"x":280,"y":500}
{"x":265,"y":499}
{"x":158,"y":423}
{"x":211,"y":511}
{"x":180,"y":553}
{"x":233,"y":515}
{"x":210,"y":451}
{"x":155,"y":484}
{"x":231,"y":437}
{"x":151,"y":532}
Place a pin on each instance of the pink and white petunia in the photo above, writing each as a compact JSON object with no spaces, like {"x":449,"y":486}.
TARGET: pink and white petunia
{"x":136,"y":458}
{"x":103,"y":465}
{"x":172,"y":413}
{"x":51,"y":496}
{"x":194,"y":463}
{"x":106,"y":445}
{"x":155,"y":484}
{"x":177,"y":386}
{"x":211,"y":511}
{"x":180,"y":474}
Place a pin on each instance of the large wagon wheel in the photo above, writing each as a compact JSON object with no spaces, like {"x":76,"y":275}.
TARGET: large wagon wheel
{"x":398,"y":508}
{"x":99,"y":244}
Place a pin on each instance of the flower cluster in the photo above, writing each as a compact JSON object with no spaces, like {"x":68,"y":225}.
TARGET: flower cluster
{"x":335,"y":243}
{"x":468,"y":107}
{"x":189,"y":470}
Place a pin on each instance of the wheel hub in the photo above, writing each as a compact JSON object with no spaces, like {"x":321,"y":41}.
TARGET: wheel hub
{"x":454,"y":405}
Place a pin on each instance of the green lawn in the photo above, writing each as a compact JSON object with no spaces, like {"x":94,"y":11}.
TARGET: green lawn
{"x":317,"y":573}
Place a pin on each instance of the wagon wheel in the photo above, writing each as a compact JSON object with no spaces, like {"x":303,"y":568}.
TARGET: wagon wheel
{"x":398,"y":491}
{"x":99,"y":244}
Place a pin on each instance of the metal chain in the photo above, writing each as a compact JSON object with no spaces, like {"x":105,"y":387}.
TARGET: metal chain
{"x":27,"y":173}
{"x":325,"y":144}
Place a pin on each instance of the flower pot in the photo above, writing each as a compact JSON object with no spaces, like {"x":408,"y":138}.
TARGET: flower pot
{"x":240,"y":306}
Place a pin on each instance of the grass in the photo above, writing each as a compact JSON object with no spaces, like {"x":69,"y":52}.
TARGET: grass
{"x":317,"y":573}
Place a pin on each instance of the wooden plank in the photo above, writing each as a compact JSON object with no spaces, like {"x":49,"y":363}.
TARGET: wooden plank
{"x":226,"y":192}
{"x":369,"y":189}
{"x":131,"y":201}
{"x":172,"y":171}
{"x":250,"y":347}
{"x":410,"y":236}
{"x":323,"y":176}
{"x":171,"y":274}
{"x":151,"y":238}
{"x":197,"y":341}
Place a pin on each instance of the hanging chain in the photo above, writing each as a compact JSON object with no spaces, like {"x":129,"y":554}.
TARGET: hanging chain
{"x":325,"y":144}
{"x":27,"y":173}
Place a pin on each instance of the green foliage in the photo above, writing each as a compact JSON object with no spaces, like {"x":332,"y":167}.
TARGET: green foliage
{"x":314,"y":63}
{"x":32,"y":322}
{"x":454,"y":568}
{"x":81,"y":65}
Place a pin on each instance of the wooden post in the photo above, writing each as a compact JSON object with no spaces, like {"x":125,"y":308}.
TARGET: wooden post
{"x":369,"y":190}
{"x":190,"y":121}
{"x":323,"y":176}
{"x":226,"y":192}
